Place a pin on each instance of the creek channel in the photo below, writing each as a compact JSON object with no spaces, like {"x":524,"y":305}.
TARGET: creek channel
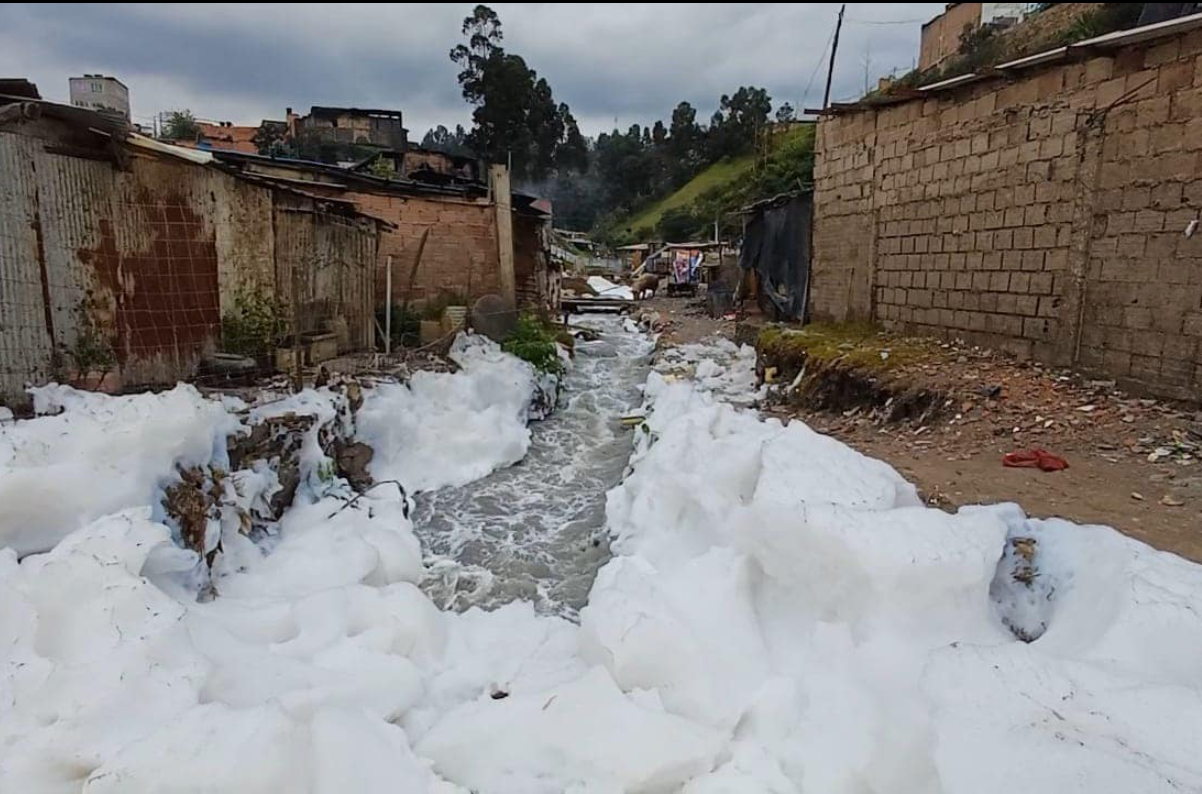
{"x":536,"y":530}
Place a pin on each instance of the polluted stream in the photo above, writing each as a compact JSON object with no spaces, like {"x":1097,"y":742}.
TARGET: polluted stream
{"x":536,"y":530}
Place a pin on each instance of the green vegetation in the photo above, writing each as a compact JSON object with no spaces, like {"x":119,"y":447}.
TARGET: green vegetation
{"x":846,"y":345}
{"x":406,"y":325}
{"x":180,"y":125}
{"x":92,"y":352}
{"x":712,"y":177}
{"x":256,"y":324}
{"x":534,"y":340}
{"x":407,"y":320}
{"x":720,"y":190}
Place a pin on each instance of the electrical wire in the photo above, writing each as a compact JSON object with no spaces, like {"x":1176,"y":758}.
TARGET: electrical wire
{"x":886,"y":21}
{"x":817,"y":68}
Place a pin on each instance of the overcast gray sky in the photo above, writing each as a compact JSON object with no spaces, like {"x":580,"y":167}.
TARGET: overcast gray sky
{"x":629,"y":62}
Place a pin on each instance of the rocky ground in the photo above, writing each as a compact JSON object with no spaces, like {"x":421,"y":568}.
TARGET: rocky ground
{"x":1135,"y":464}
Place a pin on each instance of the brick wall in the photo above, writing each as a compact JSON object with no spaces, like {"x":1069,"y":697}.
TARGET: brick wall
{"x":461,"y":252}
{"x":1043,"y":215}
{"x":941,"y":36}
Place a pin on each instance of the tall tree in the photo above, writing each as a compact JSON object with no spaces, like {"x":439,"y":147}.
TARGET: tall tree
{"x":483,"y":29}
{"x":738,"y":120}
{"x":684,"y":143}
{"x":572,"y":154}
{"x":659,"y":134}
{"x":516,"y":118}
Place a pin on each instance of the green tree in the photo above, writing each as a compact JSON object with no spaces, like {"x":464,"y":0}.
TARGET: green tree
{"x":679,"y":225}
{"x":738,"y":120}
{"x":659,"y":134}
{"x":572,"y":154}
{"x":443,"y":140}
{"x":270,"y":139}
{"x":684,"y":144}
{"x":785,"y":113}
{"x":516,"y":118}
{"x":180,"y":126}
{"x":483,"y":29}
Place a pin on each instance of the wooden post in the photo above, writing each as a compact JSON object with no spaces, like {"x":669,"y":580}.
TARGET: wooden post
{"x":298,"y":375}
{"x":388,"y":306}
{"x":504,"y":206}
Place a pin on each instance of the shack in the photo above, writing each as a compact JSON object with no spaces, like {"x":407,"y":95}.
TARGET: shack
{"x":685,"y":265}
{"x":775,"y":255}
{"x":121,"y":257}
{"x":480,"y":238}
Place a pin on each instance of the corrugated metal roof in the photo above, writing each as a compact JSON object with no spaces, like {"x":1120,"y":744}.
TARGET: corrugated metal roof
{"x":150,"y":144}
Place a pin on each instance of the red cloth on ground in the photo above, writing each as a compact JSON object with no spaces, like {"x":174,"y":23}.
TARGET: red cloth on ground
{"x":1034,"y":459}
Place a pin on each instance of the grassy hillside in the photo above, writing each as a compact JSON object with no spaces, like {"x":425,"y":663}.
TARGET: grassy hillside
{"x":719,"y":191}
{"x":716,"y":175}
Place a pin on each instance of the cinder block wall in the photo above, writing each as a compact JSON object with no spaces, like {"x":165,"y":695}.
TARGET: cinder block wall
{"x":1043,"y":215}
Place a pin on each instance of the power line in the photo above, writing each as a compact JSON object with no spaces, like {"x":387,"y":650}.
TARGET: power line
{"x":817,"y":68}
{"x":887,"y":21}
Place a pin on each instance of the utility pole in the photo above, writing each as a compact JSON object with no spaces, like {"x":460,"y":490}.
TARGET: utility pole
{"x":830,"y":72}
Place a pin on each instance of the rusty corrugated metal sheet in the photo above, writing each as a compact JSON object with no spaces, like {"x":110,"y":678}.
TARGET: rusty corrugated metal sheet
{"x":165,"y":274}
{"x":144,"y":260}
{"x":75,"y":197}
{"x":326,"y":263}
{"x":26,"y":344}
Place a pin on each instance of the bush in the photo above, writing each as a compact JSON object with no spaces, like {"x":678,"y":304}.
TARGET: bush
{"x":406,"y":325}
{"x":679,"y":224}
{"x":533,"y":340}
{"x":256,"y":324}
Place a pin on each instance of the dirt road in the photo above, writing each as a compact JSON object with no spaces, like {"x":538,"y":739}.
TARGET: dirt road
{"x":1133,"y":464}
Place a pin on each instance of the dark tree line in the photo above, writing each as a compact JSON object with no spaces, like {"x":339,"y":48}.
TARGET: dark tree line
{"x":516,"y":119}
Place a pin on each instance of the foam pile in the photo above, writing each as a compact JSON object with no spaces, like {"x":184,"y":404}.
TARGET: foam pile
{"x":782,"y":614}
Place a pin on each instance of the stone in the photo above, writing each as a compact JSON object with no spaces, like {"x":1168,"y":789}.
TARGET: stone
{"x":494,"y":317}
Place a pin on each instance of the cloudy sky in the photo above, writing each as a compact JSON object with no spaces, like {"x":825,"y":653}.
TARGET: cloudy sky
{"x":626,"y":62}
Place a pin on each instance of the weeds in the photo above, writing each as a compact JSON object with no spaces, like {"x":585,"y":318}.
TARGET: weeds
{"x":256,"y":325}
{"x":533,"y":340}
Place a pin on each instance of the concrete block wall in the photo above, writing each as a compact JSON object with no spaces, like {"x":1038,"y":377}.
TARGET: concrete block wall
{"x":1042,"y":215}
{"x":1142,"y":308}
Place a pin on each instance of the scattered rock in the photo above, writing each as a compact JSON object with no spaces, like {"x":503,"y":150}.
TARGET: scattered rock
{"x":352,"y":460}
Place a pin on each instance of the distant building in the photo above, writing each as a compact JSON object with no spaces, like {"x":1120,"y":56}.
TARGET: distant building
{"x":226,"y":136}
{"x":100,"y":93}
{"x":363,"y":126}
{"x":941,"y":36}
{"x":18,"y":87}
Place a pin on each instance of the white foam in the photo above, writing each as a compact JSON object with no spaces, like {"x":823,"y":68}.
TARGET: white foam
{"x":781,"y":615}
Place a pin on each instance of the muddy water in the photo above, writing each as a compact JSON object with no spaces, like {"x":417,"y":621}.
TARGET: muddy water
{"x":535,"y":531}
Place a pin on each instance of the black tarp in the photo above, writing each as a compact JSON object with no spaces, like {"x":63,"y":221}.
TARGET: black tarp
{"x":776,"y":244}
{"x":1162,"y":12}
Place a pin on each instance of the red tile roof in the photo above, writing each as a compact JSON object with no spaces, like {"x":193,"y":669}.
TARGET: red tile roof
{"x":229,"y":139}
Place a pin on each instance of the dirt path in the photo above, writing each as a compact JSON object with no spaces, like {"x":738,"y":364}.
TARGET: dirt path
{"x":687,"y":320}
{"x":1133,"y":464}
{"x":1093,"y":490}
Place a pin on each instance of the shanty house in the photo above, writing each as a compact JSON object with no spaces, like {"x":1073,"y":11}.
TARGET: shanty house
{"x":125,"y":255}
